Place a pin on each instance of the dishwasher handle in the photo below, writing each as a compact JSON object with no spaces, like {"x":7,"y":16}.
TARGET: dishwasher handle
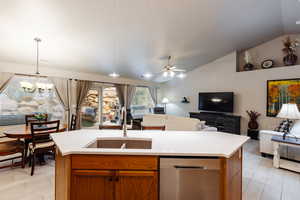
{"x":189,"y":167}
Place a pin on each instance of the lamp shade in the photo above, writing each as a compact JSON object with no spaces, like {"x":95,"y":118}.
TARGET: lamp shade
{"x":289,"y":111}
{"x":165,"y":100}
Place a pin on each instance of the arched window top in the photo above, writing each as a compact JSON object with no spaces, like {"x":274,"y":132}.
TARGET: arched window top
{"x":26,"y":95}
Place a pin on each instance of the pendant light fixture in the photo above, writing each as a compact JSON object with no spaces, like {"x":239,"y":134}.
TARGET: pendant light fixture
{"x":37,"y":40}
{"x":39,"y":84}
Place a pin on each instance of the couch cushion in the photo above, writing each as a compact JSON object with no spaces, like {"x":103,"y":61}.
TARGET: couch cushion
{"x":154,"y":120}
{"x":296,"y":128}
{"x":174,"y":123}
{"x":284,"y":126}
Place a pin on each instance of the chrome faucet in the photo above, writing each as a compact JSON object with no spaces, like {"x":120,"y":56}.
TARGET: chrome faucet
{"x":124,"y":114}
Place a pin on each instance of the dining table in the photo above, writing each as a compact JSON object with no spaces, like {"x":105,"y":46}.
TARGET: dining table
{"x":24,"y":132}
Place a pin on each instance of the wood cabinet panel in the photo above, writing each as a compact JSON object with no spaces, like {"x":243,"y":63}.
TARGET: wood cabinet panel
{"x":114,"y":162}
{"x":235,"y":188}
{"x":231,"y":179}
{"x":92,"y":185}
{"x":62,"y":176}
{"x":137,"y":185}
{"x":234,"y":164}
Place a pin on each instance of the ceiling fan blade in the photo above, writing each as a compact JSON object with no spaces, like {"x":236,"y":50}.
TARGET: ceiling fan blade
{"x":179,"y":70}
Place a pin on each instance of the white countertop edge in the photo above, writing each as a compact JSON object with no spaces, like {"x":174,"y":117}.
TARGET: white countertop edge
{"x":145,"y":153}
{"x":66,"y":145}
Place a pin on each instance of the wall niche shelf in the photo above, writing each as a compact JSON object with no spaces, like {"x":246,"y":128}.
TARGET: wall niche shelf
{"x":271,"y":50}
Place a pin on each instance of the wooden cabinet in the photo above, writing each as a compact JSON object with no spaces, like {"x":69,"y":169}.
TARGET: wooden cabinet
{"x":98,"y":177}
{"x":92,"y":185}
{"x":232,"y":176}
{"x":113,"y":185}
{"x":118,"y":177}
{"x":136,"y":185}
{"x":223,"y":122}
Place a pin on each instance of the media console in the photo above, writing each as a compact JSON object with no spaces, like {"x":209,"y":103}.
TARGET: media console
{"x":223,"y":122}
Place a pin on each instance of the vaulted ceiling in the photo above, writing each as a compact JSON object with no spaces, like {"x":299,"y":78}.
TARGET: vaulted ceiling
{"x":132,"y":37}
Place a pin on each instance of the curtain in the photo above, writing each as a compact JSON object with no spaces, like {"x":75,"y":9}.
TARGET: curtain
{"x":62,"y":89}
{"x":121,"y":93}
{"x":153,"y":93}
{"x":130,"y":93}
{"x":72,"y":96}
{"x":82,"y":88}
{"x":5,"y":77}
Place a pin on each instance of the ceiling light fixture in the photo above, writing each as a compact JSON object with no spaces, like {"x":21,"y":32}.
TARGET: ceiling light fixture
{"x":181,"y":75}
{"x":298,"y":22}
{"x":37,"y":40}
{"x":38,"y":84}
{"x":114,"y":75}
{"x":171,"y":70}
{"x":147,"y":75}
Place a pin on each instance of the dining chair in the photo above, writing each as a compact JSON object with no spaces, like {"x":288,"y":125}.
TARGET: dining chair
{"x":41,"y":141}
{"x":31,"y":118}
{"x":9,"y":148}
{"x":73,"y":123}
{"x":161,"y":128}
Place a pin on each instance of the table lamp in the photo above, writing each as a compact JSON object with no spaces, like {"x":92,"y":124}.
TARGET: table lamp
{"x":288,"y":112}
{"x":165,"y":101}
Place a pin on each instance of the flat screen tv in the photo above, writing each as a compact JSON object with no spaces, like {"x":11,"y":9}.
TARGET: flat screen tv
{"x":216,"y":101}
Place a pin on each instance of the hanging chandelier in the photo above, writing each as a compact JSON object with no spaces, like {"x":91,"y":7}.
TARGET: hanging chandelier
{"x":40,"y":86}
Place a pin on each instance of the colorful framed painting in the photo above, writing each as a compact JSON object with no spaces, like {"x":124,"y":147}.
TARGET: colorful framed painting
{"x":280,"y":92}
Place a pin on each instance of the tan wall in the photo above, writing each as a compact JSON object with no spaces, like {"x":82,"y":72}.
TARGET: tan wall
{"x":221,"y":75}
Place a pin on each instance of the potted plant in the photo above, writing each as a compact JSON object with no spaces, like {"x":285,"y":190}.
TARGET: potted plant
{"x":253,"y":124}
{"x":40,"y":117}
{"x":289,"y":49}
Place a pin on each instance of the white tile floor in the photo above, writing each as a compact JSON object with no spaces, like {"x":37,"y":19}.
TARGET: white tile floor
{"x":261,"y":181}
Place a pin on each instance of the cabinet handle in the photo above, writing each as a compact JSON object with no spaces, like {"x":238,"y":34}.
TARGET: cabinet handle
{"x":110,"y":178}
{"x":188,"y":167}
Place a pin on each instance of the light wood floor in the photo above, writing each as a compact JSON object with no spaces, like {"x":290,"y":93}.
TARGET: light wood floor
{"x":261,"y":181}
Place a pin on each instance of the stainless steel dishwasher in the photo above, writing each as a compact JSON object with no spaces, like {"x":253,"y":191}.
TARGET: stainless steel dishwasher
{"x":189,"y":179}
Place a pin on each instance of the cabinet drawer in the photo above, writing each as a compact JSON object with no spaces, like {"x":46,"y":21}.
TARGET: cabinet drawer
{"x":114,"y":162}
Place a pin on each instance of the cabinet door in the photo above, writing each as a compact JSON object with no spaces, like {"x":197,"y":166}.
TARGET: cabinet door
{"x":136,"y":185}
{"x":92,"y":185}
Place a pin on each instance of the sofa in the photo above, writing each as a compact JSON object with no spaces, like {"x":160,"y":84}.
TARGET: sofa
{"x":266,"y":145}
{"x":175,"y":123}
{"x":137,"y":111}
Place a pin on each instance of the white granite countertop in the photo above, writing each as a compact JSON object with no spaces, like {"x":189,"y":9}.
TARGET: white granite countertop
{"x":164,"y":143}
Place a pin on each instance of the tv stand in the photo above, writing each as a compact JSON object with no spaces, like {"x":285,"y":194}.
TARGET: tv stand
{"x":223,"y":122}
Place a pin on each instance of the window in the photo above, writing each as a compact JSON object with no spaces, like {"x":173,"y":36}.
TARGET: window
{"x":15,"y":102}
{"x":110,"y":106}
{"x":142,"y":97}
{"x":90,"y":108}
{"x":101,"y":106}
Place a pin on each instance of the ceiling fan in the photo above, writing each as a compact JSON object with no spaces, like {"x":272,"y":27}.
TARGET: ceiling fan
{"x":170,"y":70}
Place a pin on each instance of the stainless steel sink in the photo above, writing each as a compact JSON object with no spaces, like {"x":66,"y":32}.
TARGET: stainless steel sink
{"x":121,"y":143}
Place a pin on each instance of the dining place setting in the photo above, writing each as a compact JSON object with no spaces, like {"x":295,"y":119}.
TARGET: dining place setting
{"x":30,"y":142}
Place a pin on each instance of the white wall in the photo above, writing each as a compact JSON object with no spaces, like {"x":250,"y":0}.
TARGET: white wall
{"x":219,"y":76}
{"x":48,"y":71}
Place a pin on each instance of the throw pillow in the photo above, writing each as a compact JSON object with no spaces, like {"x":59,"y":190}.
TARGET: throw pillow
{"x":284,"y":126}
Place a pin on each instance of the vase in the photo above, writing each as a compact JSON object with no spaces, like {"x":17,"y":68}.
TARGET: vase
{"x":253,"y":124}
{"x":248,"y":67}
{"x":290,"y":59}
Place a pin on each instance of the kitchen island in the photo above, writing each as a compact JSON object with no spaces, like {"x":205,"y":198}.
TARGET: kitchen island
{"x":102,"y":165}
